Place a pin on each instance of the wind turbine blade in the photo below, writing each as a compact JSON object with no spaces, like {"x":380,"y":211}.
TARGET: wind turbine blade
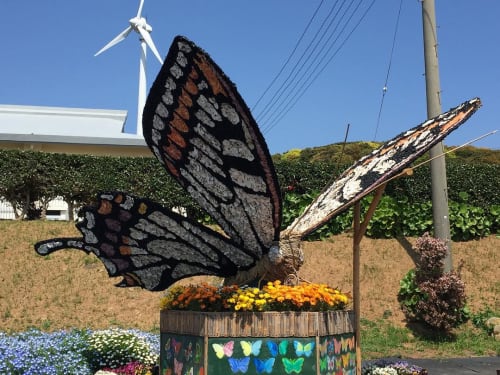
{"x":116,"y":40}
{"x":147,"y":38}
{"x":139,"y":11}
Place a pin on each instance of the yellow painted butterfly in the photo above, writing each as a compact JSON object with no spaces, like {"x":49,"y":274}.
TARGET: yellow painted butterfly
{"x":222,"y":350}
{"x":323,"y":348}
{"x":303,"y":349}
{"x":200,"y":129}
{"x":347,"y":343}
{"x":251,"y":348}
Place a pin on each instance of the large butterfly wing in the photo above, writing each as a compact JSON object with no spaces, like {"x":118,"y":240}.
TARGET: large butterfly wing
{"x":150,"y":246}
{"x":376,"y":168}
{"x":200,"y":129}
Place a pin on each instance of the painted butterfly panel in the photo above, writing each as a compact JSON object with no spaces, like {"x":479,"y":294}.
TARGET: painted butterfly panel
{"x":200,"y":129}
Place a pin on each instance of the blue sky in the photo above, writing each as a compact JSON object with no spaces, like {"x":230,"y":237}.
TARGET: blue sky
{"x":48,"y":59}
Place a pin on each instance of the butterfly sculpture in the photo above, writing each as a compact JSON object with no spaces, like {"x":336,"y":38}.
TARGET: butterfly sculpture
{"x":198,"y":126}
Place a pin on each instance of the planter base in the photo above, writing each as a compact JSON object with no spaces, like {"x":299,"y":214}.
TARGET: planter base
{"x":257,"y":343}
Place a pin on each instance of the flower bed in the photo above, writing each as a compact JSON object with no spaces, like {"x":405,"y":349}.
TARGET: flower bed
{"x":386,"y":367}
{"x":274,"y":330}
{"x":274,"y":296}
{"x":78,"y":352}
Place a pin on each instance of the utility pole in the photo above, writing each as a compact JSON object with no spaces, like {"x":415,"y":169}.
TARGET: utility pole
{"x":438,"y":164}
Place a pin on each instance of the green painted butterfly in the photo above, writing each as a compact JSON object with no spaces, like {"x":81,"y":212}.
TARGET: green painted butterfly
{"x":293,"y":365}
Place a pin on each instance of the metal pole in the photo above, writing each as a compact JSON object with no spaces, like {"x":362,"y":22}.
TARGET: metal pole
{"x":356,"y":250}
{"x":438,"y":164}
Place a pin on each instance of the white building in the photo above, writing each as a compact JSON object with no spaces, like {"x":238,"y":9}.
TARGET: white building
{"x":66,"y":130}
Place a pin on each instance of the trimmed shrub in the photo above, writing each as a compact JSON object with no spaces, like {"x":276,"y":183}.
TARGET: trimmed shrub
{"x":430,"y":295}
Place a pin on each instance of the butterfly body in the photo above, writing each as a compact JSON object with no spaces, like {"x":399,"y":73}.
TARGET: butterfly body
{"x":200,"y":129}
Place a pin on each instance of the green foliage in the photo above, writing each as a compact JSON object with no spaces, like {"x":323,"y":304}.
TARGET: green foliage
{"x":479,"y":318}
{"x":468,"y":222}
{"x":295,"y":204}
{"x":405,"y":208}
{"x":472,"y":154}
{"x":34,"y":176}
{"x":409,"y":295}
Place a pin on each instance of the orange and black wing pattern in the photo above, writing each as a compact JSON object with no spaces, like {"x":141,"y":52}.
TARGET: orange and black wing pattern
{"x":371,"y":171}
{"x":198,"y":126}
{"x":202,"y":132}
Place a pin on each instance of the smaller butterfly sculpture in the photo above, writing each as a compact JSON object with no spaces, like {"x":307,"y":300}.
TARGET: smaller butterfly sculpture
{"x":200,"y":129}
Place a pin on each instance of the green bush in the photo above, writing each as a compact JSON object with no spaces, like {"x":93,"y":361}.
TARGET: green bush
{"x":405,"y":209}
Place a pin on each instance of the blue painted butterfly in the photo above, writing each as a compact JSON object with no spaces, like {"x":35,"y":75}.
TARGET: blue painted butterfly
{"x":198,"y":127}
{"x":273,"y":348}
{"x":239,"y":364}
{"x":264,"y":366}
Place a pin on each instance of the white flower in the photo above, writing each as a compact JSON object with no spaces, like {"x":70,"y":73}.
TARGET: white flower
{"x":384,"y":371}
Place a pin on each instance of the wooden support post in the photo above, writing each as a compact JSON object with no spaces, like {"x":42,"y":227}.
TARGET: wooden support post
{"x":355,"y":280}
{"x":359,"y":232}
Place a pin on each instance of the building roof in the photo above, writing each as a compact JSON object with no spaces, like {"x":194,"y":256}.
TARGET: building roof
{"x":55,"y":129}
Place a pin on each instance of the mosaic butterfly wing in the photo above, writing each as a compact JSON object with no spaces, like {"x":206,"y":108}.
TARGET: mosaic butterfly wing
{"x":199,"y":127}
{"x":374,"y":169}
{"x":201,"y":130}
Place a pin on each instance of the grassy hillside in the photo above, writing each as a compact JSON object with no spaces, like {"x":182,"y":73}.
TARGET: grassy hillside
{"x":72,"y":289}
{"x":350,"y":152}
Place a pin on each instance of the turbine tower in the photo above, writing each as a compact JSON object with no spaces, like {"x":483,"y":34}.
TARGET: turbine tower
{"x":140,"y":26}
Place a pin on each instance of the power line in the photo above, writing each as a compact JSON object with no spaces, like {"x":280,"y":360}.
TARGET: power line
{"x":289,"y":57}
{"x":313,"y":76}
{"x":285,"y":84}
{"x":384,"y":90}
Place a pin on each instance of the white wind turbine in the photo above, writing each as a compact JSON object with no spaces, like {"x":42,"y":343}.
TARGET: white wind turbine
{"x":140,"y":26}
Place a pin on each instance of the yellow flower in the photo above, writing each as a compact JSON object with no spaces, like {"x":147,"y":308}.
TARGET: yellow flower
{"x":273,"y":296}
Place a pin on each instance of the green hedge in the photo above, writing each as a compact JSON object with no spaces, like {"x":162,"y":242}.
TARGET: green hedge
{"x":26,"y":177}
{"x":474,"y":190}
